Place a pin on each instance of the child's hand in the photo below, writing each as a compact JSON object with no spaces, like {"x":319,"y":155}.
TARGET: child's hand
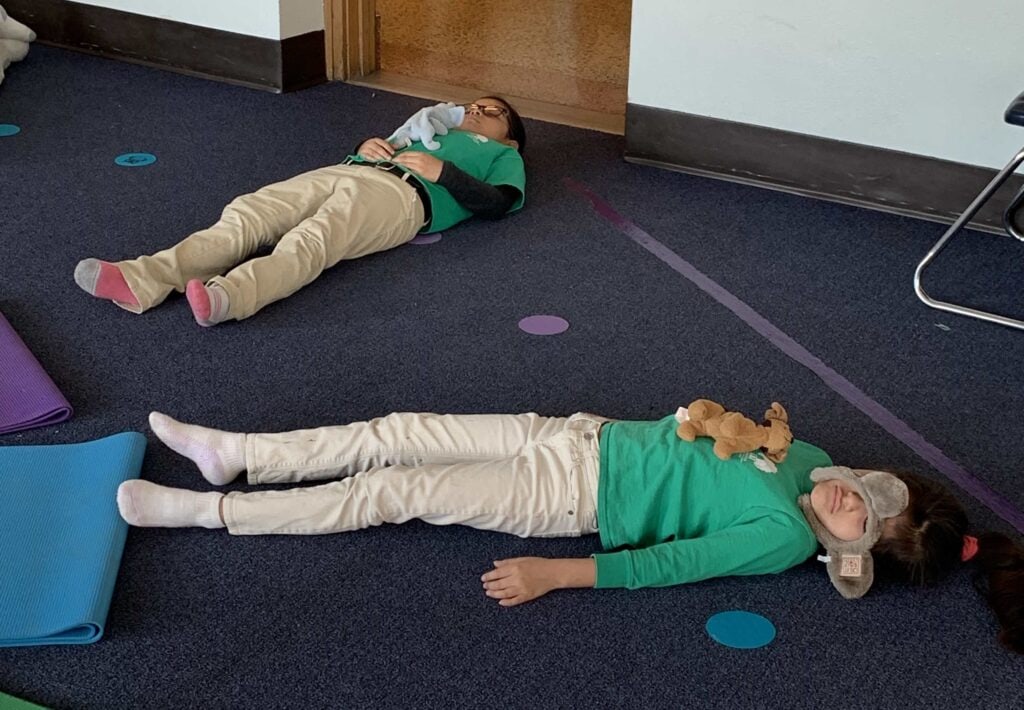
{"x":520,"y":579}
{"x":375,"y":149}
{"x":423,"y":164}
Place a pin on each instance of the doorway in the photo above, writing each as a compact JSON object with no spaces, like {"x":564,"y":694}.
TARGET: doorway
{"x":565,"y":61}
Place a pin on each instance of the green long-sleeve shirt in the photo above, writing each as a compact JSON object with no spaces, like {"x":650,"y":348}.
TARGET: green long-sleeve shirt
{"x":677,"y":513}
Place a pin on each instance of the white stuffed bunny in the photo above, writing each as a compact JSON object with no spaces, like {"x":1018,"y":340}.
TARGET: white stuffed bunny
{"x":14,"y":39}
{"x":426,"y":123}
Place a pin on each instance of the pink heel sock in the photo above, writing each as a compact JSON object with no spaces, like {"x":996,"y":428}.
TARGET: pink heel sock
{"x":209,"y":304}
{"x":104,"y":280}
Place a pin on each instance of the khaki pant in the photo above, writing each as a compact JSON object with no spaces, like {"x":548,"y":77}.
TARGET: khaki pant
{"x":313,"y":221}
{"x":522,"y":474}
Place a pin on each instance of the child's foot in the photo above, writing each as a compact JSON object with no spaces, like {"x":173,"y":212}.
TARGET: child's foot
{"x":151,"y":506}
{"x":209,"y":304}
{"x":220,"y":455}
{"x":104,"y":280}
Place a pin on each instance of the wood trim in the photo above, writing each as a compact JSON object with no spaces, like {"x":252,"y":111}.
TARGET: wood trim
{"x":329,"y":62}
{"x":368,"y":39}
{"x":350,"y":49}
{"x":362,"y":41}
{"x":851,"y":173}
{"x":351,"y":36}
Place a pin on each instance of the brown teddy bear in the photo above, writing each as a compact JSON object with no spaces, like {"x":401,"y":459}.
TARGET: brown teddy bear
{"x":734,"y":433}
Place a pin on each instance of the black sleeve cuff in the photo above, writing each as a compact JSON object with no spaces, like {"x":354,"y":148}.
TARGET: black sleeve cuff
{"x":480,"y":198}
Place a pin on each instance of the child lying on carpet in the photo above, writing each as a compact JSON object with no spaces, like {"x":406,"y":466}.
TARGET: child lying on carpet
{"x":668,"y":511}
{"x":378,"y":199}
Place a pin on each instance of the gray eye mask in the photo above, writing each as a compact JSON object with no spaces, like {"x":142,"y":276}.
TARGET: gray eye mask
{"x":850,"y":565}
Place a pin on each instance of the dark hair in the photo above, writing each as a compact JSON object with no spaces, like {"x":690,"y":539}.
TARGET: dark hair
{"x":925,"y":543}
{"x":516,"y":129}
{"x":1000,"y":579}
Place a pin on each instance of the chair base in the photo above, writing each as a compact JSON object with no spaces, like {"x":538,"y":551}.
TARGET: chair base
{"x":958,"y":225}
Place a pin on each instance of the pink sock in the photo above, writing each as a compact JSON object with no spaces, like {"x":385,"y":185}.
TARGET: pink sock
{"x":209,"y":304}
{"x":104,"y":280}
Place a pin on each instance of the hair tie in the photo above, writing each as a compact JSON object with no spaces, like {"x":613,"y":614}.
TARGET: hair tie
{"x":970,"y":548}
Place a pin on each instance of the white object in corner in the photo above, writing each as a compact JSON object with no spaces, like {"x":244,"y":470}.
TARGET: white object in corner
{"x":14,"y":39}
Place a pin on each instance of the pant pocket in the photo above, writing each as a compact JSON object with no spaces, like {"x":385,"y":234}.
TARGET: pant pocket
{"x":567,"y":519}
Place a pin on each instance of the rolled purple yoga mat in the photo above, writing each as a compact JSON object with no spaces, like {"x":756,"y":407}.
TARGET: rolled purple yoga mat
{"x":28,"y":397}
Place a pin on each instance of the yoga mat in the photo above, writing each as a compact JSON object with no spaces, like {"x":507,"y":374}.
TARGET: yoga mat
{"x":61,"y":537}
{"x":28,"y":397}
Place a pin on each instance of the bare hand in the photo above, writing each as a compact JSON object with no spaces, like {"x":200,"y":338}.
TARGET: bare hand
{"x":423,"y":164}
{"x":375,"y":149}
{"x":520,"y":579}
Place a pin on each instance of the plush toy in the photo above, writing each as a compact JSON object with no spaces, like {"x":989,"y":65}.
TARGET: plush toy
{"x":734,"y":433}
{"x":14,"y":39}
{"x":850,"y":565}
{"x":426,"y":123}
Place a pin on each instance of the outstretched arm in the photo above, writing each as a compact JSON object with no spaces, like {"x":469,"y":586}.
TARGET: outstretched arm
{"x":760,"y":546}
{"x":522,"y":579}
{"x":480,"y":198}
{"x":477,"y":196}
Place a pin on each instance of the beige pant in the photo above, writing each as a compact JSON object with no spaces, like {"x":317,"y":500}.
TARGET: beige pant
{"x":522,"y":474}
{"x":313,"y":221}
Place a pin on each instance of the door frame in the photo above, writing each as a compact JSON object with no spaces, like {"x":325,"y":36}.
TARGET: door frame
{"x":350,"y":38}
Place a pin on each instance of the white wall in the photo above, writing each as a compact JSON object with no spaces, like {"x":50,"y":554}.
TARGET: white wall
{"x":275,"y":19}
{"x":931,"y":77}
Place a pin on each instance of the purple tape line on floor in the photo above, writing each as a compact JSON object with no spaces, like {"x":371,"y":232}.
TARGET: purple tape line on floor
{"x":846,"y":389}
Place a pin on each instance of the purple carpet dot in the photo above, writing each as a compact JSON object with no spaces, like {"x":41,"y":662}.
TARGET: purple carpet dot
{"x":426,"y":238}
{"x":544,"y":325}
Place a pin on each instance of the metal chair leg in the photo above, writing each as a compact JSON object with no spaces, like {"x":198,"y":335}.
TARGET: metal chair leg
{"x":1011,"y":212}
{"x":963,"y":219}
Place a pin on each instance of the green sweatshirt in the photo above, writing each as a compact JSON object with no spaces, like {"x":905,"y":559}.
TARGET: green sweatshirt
{"x":683,"y":515}
{"x":489,"y":161}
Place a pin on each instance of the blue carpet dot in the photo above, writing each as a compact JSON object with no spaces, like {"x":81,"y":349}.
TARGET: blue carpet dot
{"x":741,"y":629}
{"x":135,"y":160}
{"x":9,"y":129}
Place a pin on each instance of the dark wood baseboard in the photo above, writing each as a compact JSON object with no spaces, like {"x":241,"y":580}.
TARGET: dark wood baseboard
{"x":258,"y":62}
{"x":866,"y":176}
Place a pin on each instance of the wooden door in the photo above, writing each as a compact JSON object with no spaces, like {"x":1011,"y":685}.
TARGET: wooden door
{"x":571,"y":54}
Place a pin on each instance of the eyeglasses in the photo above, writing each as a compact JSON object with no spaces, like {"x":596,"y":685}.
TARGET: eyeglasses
{"x":490,"y":111}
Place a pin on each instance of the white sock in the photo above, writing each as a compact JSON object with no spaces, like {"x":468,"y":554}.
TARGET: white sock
{"x":151,"y":506}
{"x":219,"y":303}
{"x":220,"y":455}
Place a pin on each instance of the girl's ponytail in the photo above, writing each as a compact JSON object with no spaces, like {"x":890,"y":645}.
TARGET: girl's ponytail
{"x":1000,"y":580}
{"x":928,"y":540}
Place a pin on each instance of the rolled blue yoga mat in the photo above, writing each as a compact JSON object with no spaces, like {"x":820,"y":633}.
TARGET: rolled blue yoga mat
{"x":28,"y":397}
{"x":61,"y":537}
